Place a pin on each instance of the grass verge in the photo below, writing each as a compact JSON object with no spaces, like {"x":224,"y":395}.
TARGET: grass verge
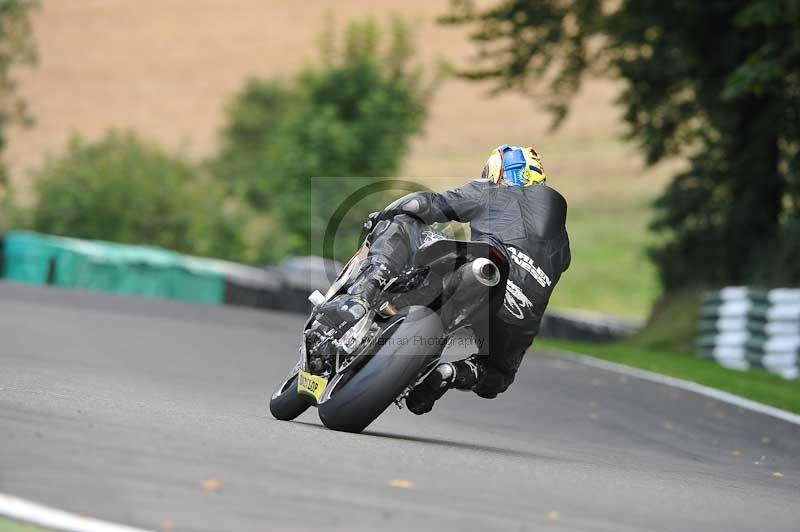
{"x":7,"y":525}
{"x":609,"y":272}
{"x":756,"y":384}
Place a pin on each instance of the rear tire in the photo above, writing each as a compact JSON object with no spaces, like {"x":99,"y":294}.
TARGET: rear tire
{"x":286,"y":404}
{"x":394,"y":366}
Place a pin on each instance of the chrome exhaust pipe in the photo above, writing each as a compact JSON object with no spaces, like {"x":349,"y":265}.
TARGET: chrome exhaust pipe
{"x":478,"y":274}
{"x":485,"y":272}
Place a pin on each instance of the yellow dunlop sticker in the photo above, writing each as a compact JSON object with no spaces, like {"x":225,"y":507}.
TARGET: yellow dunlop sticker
{"x":312,"y":385}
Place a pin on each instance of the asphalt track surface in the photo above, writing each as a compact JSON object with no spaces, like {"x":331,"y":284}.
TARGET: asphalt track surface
{"x":121,"y":408}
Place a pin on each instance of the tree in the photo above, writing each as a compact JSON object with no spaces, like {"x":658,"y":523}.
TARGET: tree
{"x":124,"y":189}
{"x":352,"y":116}
{"x":16,"y":48}
{"x":716,"y":82}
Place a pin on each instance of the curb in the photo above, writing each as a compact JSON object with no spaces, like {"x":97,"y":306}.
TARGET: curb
{"x":726,"y":397}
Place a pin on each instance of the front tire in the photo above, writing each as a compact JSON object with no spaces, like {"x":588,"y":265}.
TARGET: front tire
{"x":286,"y":404}
{"x":359,"y":401}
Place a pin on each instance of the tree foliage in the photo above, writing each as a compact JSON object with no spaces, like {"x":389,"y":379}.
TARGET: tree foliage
{"x":715,"y":82}
{"x":16,"y":49}
{"x":127,"y":190}
{"x":350,"y":117}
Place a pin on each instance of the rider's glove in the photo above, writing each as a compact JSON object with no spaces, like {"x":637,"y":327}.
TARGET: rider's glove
{"x":372,"y":220}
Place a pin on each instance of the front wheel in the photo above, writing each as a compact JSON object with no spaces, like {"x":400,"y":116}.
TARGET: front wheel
{"x":286,"y":404}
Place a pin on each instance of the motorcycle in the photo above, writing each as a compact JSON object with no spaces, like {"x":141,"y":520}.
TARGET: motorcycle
{"x":353,"y":376}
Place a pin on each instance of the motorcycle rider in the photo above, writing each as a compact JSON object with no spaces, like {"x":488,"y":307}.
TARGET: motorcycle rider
{"x":510,"y":207}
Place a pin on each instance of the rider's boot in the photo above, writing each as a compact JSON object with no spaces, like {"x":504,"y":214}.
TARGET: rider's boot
{"x":364,"y":294}
{"x":461,"y":375}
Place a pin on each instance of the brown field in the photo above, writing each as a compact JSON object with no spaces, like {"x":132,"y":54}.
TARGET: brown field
{"x":167,"y":67}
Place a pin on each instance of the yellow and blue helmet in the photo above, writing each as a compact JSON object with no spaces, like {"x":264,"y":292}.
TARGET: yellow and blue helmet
{"x":514,"y":166}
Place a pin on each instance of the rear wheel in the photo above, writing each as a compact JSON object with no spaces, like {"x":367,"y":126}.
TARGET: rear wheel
{"x":356,"y":403}
{"x":286,"y":404}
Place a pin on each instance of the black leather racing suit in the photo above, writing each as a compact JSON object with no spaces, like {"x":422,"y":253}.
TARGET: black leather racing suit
{"x":527,"y":224}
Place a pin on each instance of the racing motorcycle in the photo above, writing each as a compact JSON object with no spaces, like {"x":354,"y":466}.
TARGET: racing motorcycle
{"x":353,"y":376}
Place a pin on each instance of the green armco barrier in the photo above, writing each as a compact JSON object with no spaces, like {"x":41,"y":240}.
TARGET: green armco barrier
{"x":108,"y":267}
{"x":27,"y":257}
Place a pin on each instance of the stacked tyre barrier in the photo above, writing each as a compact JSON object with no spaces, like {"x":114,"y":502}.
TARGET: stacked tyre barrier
{"x":743,"y":328}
